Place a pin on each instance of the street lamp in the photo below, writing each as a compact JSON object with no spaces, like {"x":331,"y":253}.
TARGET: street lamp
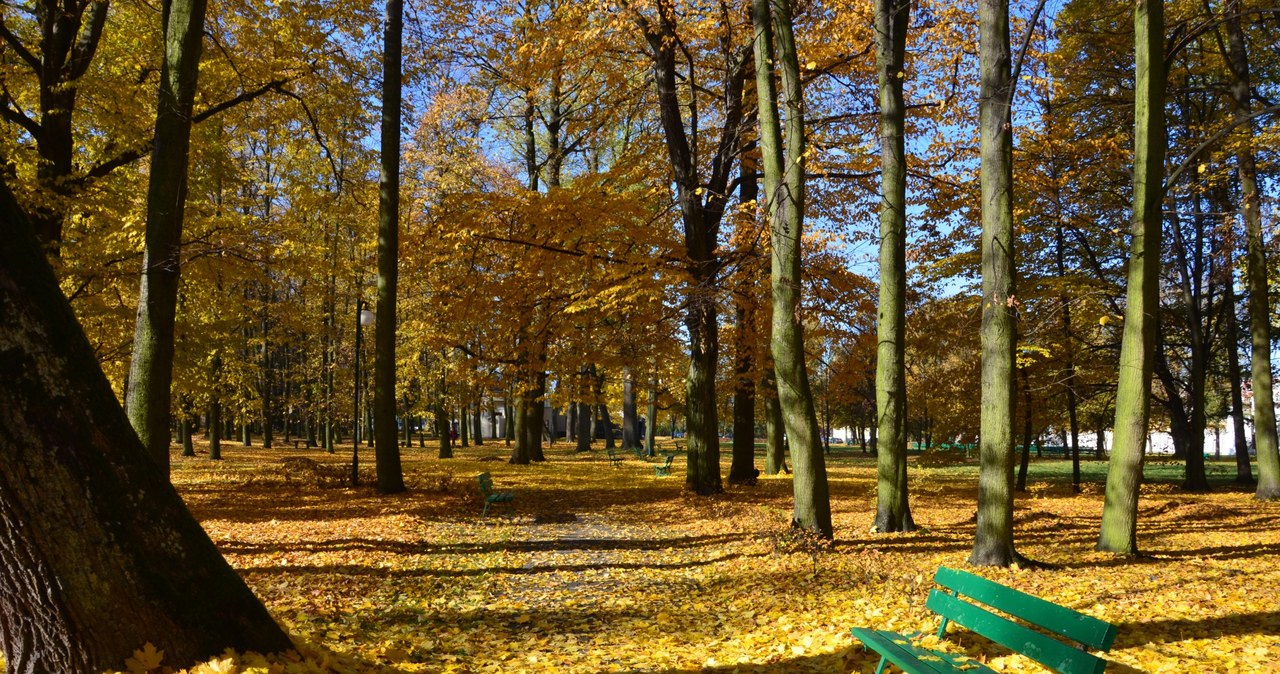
{"x":363,"y":317}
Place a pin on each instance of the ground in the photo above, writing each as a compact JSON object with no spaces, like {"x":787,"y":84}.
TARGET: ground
{"x":646,"y":578}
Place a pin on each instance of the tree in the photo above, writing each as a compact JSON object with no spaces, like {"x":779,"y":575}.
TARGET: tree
{"x":1264,"y":420}
{"x":784,"y":180}
{"x":993,"y":543}
{"x":151,"y":369}
{"x":893,"y":513}
{"x":387,"y":446}
{"x":1119,"y":531}
{"x":102,"y":533}
{"x":702,"y":204}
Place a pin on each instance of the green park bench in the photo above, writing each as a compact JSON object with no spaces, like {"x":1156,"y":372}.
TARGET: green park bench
{"x":615,"y":457}
{"x":663,"y":468}
{"x":1080,"y":630}
{"x":491,"y":497}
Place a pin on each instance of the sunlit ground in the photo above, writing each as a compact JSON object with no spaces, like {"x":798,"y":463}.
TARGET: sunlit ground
{"x":648,"y":579}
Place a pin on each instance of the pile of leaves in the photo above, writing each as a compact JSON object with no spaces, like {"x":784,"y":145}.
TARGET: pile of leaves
{"x":646,"y":578}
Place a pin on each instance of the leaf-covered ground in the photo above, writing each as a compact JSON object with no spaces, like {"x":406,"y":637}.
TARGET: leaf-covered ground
{"x":648,"y":579}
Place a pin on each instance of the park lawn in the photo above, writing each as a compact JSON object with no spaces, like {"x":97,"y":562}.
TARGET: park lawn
{"x":650,"y":579}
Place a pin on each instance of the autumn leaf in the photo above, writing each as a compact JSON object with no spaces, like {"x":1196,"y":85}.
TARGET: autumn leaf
{"x":144,"y":660}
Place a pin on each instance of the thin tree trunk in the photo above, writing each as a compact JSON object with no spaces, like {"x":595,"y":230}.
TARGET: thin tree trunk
{"x":151,"y":368}
{"x":630,"y":421}
{"x":1244,"y":472}
{"x":1119,"y":531}
{"x":775,"y":452}
{"x":1025,"y":461}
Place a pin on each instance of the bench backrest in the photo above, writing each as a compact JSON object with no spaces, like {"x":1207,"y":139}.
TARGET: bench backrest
{"x":486,"y":483}
{"x":1058,"y":656}
{"x":667,"y":463}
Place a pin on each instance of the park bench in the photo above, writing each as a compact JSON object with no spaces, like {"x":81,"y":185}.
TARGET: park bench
{"x":615,"y":458}
{"x":1080,"y":630}
{"x":491,"y":497}
{"x":663,"y":468}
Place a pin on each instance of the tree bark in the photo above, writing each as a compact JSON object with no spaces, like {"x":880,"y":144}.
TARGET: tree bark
{"x":1264,"y":418}
{"x":784,"y":196}
{"x":775,"y":452}
{"x":101,"y":534}
{"x":993,"y":543}
{"x":1119,"y":531}
{"x":386,"y":445}
{"x":630,"y":421}
{"x":893,"y":511}
{"x":1244,"y":472}
{"x":702,"y":204}
{"x":151,"y":368}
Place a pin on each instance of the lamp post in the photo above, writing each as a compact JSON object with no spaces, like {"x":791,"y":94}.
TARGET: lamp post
{"x":363,"y":317}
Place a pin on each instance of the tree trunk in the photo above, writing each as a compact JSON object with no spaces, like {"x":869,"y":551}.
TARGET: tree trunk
{"x":775,"y":450}
{"x":630,"y":421}
{"x":1264,"y":418}
{"x":584,"y":427}
{"x":702,"y":202}
{"x":993,"y":543}
{"x":101,"y":534}
{"x":215,"y":429}
{"x":784,"y":196}
{"x":442,"y":430}
{"x":464,"y":430}
{"x":1244,"y":472}
{"x":651,"y":428}
{"x":1119,"y":531}
{"x":151,"y":368}
{"x":184,"y":428}
{"x":387,"y":447}
{"x":743,"y":470}
{"x":893,"y":511}
{"x":477,"y":421}
{"x":1025,"y":461}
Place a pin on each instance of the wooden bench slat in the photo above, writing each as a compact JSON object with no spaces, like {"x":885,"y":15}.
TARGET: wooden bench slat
{"x":1043,"y":649}
{"x":1071,"y":624}
{"x":914,"y":660}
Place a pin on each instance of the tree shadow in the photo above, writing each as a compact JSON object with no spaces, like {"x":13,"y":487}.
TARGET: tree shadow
{"x":1181,"y":629}
{"x":356,"y":570}
{"x":427,"y":548}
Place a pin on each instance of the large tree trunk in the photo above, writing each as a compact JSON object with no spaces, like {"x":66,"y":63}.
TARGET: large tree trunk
{"x":784,"y":195}
{"x":893,"y":512}
{"x":386,"y":447}
{"x":101,"y":534}
{"x":1119,"y":531}
{"x":993,"y":543}
{"x":151,"y":368}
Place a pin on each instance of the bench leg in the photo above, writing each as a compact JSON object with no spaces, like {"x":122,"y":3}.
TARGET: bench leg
{"x":486,"y":510}
{"x":880,"y":667}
